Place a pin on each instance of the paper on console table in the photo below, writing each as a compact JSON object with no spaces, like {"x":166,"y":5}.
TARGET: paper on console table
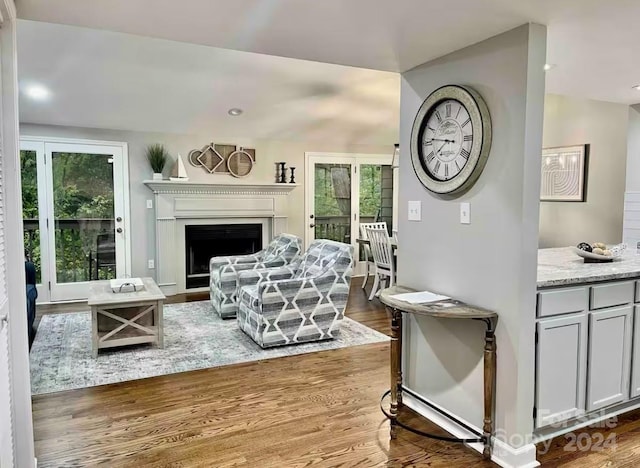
{"x":420,"y":297}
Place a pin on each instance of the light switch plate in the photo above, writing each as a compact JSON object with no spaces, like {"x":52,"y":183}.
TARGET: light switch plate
{"x":149,"y":204}
{"x":465,"y":213}
{"x":415,"y":210}
{"x":151,"y":265}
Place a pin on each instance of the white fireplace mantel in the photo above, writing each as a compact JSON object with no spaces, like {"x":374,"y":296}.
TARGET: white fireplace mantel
{"x":178,"y":204}
{"x":191,"y":188}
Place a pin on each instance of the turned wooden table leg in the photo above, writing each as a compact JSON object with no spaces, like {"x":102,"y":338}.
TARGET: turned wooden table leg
{"x":396,"y":375}
{"x":399,"y":362}
{"x":489,"y":385}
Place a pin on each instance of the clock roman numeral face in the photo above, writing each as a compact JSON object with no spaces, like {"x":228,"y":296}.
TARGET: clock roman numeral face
{"x":450,"y":139}
{"x":447,"y":140}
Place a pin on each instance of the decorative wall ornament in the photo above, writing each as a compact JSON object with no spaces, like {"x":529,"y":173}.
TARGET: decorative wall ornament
{"x":224,"y":159}
{"x":179,"y":172}
{"x":283,"y":173}
{"x":240,"y":163}
{"x":564,"y":173}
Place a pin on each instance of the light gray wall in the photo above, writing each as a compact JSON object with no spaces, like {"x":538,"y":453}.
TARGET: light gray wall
{"x":633,"y":150}
{"x":631,"y":225}
{"x":603,"y":125}
{"x":267,"y":153}
{"x":491,"y":262}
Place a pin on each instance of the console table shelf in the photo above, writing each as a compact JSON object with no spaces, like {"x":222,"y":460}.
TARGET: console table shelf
{"x":447,"y":309}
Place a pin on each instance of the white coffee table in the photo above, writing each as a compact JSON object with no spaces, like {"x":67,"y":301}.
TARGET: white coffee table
{"x":128,"y":318}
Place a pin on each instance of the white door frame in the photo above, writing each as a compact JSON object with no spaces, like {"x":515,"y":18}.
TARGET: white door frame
{"x":46,"y":145}
{"x":38,"y":148}
{"x":21,"y":425}
{"x":356,"y":160}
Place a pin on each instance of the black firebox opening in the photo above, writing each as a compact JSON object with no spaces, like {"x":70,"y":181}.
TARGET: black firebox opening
{"x":204,"y":242}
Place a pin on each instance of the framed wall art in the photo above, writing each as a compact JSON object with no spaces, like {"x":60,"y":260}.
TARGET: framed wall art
{"x":564,"y":173}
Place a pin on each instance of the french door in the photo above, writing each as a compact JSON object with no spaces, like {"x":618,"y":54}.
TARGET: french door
{"x":75,"y":214}
{"x":344,"y":190}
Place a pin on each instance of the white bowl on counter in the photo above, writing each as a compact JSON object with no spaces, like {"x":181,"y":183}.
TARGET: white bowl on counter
{"x":616,"y":252}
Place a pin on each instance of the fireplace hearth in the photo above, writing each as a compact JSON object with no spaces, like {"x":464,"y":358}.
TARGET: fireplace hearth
{"x":205,"y":241}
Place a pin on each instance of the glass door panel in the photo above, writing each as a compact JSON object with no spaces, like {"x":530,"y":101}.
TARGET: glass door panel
{"x":83,"y":213}
{"x":30,"y":210}
{"x":331,"y":218}
{"x":376,"y":194}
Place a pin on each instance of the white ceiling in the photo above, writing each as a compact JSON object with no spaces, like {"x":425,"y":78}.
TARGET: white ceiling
{"x":392,"y":35}
{"x":597,"y":51}
{"x":593,"y":42}
{"x":173,"y":86}
{"x":112,"y":80}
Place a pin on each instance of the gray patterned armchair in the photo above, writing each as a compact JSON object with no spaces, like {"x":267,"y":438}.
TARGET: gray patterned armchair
{"x":223,"y":271}
{"x":299,"y":303}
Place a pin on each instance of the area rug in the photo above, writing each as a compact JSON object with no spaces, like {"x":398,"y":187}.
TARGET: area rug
{"x":195,"y":338}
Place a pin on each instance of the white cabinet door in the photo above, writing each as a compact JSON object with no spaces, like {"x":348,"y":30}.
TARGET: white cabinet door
{"x":561,"y":368}
{"x":635,"y":360}
{"x":609,"y":357}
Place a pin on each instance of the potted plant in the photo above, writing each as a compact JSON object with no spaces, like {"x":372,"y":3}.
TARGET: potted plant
{"x":157,"y":156}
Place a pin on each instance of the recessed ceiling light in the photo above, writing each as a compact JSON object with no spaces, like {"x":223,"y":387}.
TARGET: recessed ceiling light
{"x":636,"y":87}
{"x":548,"y":66}
{"x":235,"y":111}
{"x":37,"y":92}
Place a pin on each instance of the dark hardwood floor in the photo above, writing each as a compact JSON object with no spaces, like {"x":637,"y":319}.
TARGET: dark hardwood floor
{"x":318,"y":409}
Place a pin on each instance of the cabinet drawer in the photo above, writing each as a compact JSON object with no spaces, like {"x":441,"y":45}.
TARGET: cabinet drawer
{"x":562,"y":301}
{"x":637,"y":298}
{"x":612,"y":294}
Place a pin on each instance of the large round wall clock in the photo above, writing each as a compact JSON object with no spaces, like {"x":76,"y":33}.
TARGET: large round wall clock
{"x":451,"y":139}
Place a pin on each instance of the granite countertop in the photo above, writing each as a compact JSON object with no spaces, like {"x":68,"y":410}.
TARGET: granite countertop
{"x":562,"y":267}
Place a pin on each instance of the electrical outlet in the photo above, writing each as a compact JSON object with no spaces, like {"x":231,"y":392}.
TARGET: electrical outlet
{"x":465,"y":213}
{"x":149,"y":204}
{"x":415,"y":210}
{"x":151,"y":265}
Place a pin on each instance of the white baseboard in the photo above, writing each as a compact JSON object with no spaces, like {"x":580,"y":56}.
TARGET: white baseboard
{"x":509,"y":457}
{"x":168,"y":289}
{"x":503,"y":454}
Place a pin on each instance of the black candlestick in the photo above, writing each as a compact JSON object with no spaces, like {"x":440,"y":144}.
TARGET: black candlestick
{"x":293,"y":175}
{"x":283,"y":173}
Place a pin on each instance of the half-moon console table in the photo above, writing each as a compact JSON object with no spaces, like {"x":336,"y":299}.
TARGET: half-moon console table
{"x":449,"y":309}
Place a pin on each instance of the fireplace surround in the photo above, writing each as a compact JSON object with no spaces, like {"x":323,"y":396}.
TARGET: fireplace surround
{"x":181,"y":204}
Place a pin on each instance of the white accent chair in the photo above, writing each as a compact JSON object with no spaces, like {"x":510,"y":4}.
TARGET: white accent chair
{"x":369,"y":265}
{"x":385,"y":274}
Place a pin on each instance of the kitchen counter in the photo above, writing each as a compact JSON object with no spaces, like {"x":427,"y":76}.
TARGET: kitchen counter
{"x":562,"y":267}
